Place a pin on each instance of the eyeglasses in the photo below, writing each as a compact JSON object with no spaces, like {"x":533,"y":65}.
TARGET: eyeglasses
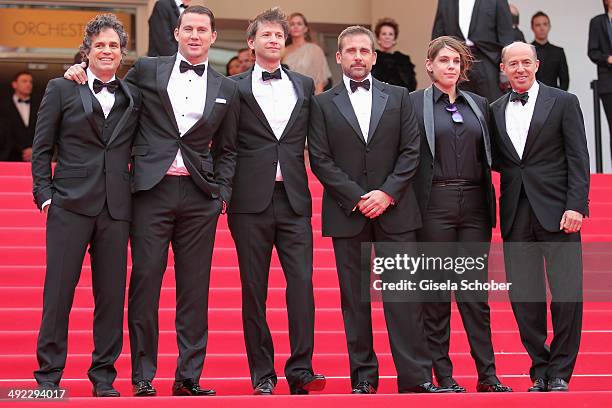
{"x":455,"y":114}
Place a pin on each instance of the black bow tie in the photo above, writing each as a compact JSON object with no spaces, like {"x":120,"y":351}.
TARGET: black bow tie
{"x":198,"y":69}
{"x":523,"y":97}
{"x":266,"y":76}
{"x":23,"y":101}
{"x":183,"y":6}
{"x":365,"y":84}
{"x":110,"y":86}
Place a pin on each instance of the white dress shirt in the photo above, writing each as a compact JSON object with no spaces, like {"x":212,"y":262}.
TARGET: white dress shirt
{"x":178,"y":5}
{"x":277,"y":99}
{"x":187,"y":92}
{"x":106,"y":99}
{"x":466,"y":9}
{"x":518,"y":119}
{"x":23,"y":109}
{"x":362,"y":104}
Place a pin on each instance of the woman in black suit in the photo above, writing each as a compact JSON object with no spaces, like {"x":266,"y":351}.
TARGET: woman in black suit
{"x":457,"y":200}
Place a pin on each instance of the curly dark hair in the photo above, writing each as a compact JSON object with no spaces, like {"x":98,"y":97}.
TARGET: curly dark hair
{"x":389,"y":22}
{"x":96,"y":25}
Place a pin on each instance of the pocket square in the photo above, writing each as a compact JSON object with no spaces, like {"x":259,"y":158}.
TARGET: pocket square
{"x":220,"y":100}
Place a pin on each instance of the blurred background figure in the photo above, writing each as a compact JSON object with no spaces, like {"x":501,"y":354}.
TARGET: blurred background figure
{"x":553,"y":69}
{"x":600,"y":52}
{"x":162,"y":24}
{"x":20,"y":113}
{"x":6,"y":144}
{"x":304,"y":56}
{"x":246,"y":58}
{"x":233,"y":66}
{"x":516,"y":31}
{"x":486,"y":27}
{"x":394,"y":68}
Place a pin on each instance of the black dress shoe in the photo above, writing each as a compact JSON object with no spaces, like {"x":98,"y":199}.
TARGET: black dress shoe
{"x":310,"y":382}
{"x":144,"y":389}
{"x":105,"y":390}
{"x":190,"y":388}
{"x":451,"y":384}
{"x":539,"y":385}
{"x":45,"y":387}
{"x":499,"y":387}
{"x":558,"y":385}
{"x":265,"y":387}
{"x":364,"y":387}
{"x":426,"y":388}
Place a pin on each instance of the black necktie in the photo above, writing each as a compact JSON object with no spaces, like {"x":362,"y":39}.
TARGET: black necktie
{"x":23,"y":100}
{"x":266,"y":76}
{"x":198,"y":69}
{"x":365,"y":84}
{"x":523,"y":97}
{"x":110,"y":86}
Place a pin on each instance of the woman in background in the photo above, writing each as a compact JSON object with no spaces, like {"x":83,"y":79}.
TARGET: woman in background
{"x":233,"y":66}
{"x":394,"y":68}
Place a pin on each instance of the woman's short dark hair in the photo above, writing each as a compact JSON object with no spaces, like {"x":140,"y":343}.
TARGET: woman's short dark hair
{"x":465,"y":55}
{"x":98,"y":24}
{"x":227,"y":66}
{"x":389,"y":22}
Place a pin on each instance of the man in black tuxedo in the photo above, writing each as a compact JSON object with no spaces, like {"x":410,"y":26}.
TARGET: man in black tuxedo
{"x":20,"y":113}
{"x":486,"y":27}
{"x":364,"y":148}
{"x":162,"y":23}
{"x":540,"y":150}
{"x":271,"y":205}
{"x":184,"y":158}
{"x":553,"y":70}
{"x":87,"y":202}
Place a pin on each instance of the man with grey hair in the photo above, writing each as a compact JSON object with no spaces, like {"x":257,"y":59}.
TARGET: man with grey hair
{"x":364,"y":148}
{"x":87,"y":201}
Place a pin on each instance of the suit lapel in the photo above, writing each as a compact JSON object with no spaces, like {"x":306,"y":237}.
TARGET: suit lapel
{"x":474,"y":18}
{"x":245,"y":86}
{"x":483,"y":124}
{"x":428,"y":120}
{"x":87,"y":101}
{"x":126,"y":113}
{"x":342,"y":101}
{"x":175,"y":10}
{"x":379,"y":102}
{"x":299,"y":91}
{"x":453,"y":13}
{"x":164,"y":70}
{"x":541,"y":110}
{"x":499,"y":111}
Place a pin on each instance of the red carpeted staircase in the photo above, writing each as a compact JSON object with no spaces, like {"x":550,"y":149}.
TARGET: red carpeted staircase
{"x":22,"y":269}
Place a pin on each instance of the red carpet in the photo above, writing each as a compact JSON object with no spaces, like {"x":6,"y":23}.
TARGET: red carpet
{"x":22,"y":259}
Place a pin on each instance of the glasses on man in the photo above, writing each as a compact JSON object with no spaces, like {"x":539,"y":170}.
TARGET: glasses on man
{"x":455,"y":114}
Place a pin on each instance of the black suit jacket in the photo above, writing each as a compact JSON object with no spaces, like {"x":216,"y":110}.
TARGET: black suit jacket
{"x":259,"y":151}
{"x":348,"y":167}
{"x":90,"y":171}
{"x":162,"y":22}
{"x":6,"y":142}
{"x":553,"y":70}
{"x":490,"y":27}
{"x":208,"y":148}
{"x":422,"y":101}
{"x":554,"y":170}
{"x":599,"y":49}
{"x":20,"y":134}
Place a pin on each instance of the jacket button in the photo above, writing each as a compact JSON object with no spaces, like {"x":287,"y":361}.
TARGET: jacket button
{"x":274,"y":163}
{"x":367,"y":150}
{"x":365,"y":172}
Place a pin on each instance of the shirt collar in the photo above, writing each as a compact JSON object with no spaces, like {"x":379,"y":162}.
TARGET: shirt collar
{"x":178,"y":5}
{"x":91,"y":78}
{"x":180,"y":58}
{"x":347,"y":82}
{"x":533,"y":92}
{"x":438,"y":94}
{"x":257,"y":71}
{"x":16,"y":98}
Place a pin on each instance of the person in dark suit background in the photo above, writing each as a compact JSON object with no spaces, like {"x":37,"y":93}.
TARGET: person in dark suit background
{"x":553,"y":70}
{"x":600,"y":53}
{"x":271,"y":205}
{"x":518,"y":34}
{"x":486,"y":27}
{"x":183,"y":159}
{"x":541,"y":153}
{"x":20,"y":114}
{"x":364,"y":147}
{"x":87,"y":202}
{"x":457,"y":201}
{"x":6,"y":142}
{"x":394,"y":68}
{"x":162,"y":23}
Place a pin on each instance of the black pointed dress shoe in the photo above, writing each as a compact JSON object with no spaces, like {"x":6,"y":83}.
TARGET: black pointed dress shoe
{"x":310,"y":382}
{"x":426,"y":388}
{"x":451,"y":384}
{"x":539,"y":385}
{"x":46,"y":388}
{"x":364,"y":387}
{"x":558,"y":385}
{"x":190,"y":388}
{"x":498,"y":387}
{"x":105,"y":390}
{"x":143,"y":388}
{"x":265,"y":387}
